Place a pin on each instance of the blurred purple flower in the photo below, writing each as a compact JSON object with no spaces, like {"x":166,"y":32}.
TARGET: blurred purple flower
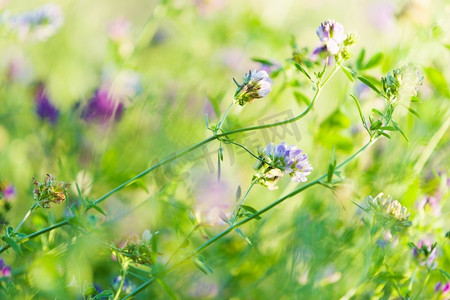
{"x":381,"y":15}
{"x":9,"y":192}
{"x":102,"y":107}
{"x":39,"y":24}
{"x":362,"y":91}
{"x":44,"y":108}
{"x":128,"y":286}
{"x":109,"y":100}
{"x":273,"y":66}
{"x":213,"y":205}
{"x":5,"y":270}
{"x":442,"y":289}
{"x":119,"y":29}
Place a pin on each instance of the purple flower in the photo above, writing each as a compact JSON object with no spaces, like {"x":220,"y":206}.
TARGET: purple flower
{"x":442,"y":289}
{"x":282,"y":159}
{"x":257,"y":84}
{"x":102,"y":107}
{"x":5,"y":270}
{"x":9,"y":192}
{"x":44,"y":108}
{"x":128,"y":286}
{"x":331,"y":34}
{"x":109,"y":100}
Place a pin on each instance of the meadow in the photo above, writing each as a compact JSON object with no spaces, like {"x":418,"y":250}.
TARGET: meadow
{"x":224,"y":149}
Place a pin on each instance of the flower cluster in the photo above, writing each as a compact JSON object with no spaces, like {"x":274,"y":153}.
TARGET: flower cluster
{"x":390,"y":213}
{"x":425,"y":252}
{"x":140,"y":251}
{"x":279,"y":160}
{"x":51,"y":191}
{"x":334,"y":40}
{"x":257,"y":84}
{"x":403,"y":82}
{"x":5,"y":270}
{"x":40,"y":23}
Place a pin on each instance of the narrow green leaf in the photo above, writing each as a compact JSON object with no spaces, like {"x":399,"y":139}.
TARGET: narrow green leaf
{"x":301,"y":69}
{"x":385,"y":134}
{"x":359,"y":61}
{"x":416,"y":99}
{"x":363,"y":119}
{"x":242,"y":234}
{"x":348,"y":72}
{"x":374,"y":61}
{"x":388,"y":128}
{"x":263,"y":61}
{"x":377,"y":112}
{"x":414,"y":112}
{"x":399,"y":130}
{"x":331,"y":166}
{"x":104,"y":294}
{"x":376,"y":125}
{"x":200,"y":263}
{"x":444,"y":273}
{"x":97,"y":208}
{"x":248,"y":208}
{"x":207,"y":121}
{"x":369,"y":84}
{"x":300,"y":97}
{"x":11,"y":242}
{"x":238,"y":193}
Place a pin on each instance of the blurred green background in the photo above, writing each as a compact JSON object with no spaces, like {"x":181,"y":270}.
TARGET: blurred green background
{"x":177,"y":59}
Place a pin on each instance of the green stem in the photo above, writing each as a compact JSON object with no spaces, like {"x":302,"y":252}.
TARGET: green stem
{"x":424,"y":284}
{"x":219,"y":126}
{"x":236,"y":212}
{"x":186,"y":239}
{"x":139,"y":289}
{"x":119,"y":291}
{"x":35,"y":234}
{"x":25,"y":217}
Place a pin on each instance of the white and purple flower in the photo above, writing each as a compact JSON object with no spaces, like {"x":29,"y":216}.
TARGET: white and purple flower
{"x":38,"y":24}
{"x":331,"y":34}
{"x":280,"y":160}
{"x":257,"y":84}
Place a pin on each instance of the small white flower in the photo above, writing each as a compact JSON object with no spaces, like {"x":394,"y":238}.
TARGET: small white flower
{"x":146,"y":235}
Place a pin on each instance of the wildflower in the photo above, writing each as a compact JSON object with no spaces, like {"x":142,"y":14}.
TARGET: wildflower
{"x":119,"y":29}
{"x":51,"y":191}
{"x":279,"y":160}
{"x":5,"y":270}
{"x":257,"y":84}
{"x":44,"y":108}
{"x":110,"y":98}
{"x":334,"y":41}
{"x":9,"y":192}
{"x":403,"y":82}
{"x":388,"y":212}
{"x":425,"y":251}
{"x":331,"y":33}
{"x":39,"y":24}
